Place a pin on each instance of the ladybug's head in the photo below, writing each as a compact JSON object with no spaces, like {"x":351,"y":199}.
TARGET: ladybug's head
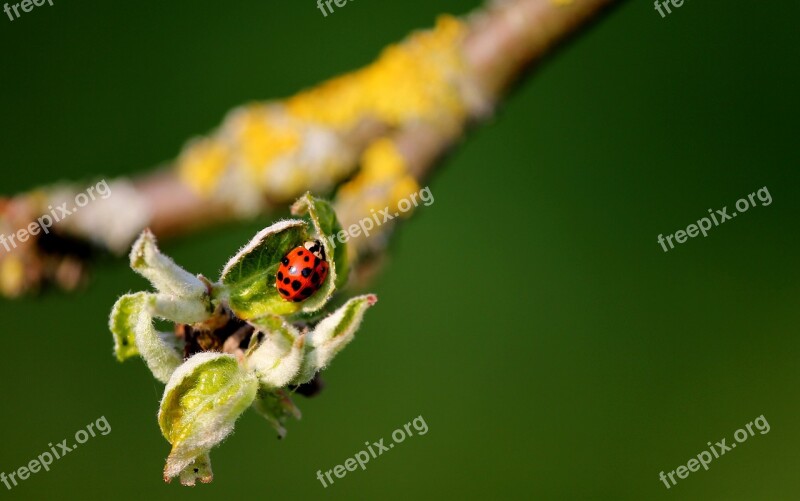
{"x":315,"y":247}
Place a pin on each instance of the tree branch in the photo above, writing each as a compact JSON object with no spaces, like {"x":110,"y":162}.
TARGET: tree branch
{"x":265,"y":155}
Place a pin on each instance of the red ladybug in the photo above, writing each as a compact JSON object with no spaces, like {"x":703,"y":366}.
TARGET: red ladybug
{"x":302,"y":271}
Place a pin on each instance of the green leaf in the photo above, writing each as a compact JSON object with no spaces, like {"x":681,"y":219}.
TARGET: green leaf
{"x":248,"y":279}
{"x":323,"y":219}
{"x":249,"y":276}
{"x":131,"y":319}
{"x":331,"y":335}
{"x":201,"y":403}
{"x":276,"y":407}
{"x":275,"y":352}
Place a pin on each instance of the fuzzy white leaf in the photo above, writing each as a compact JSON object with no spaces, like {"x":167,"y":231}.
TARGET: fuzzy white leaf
{"x":182,"y":310}
{"x":166,"y":276}
{"x":275,"y":352}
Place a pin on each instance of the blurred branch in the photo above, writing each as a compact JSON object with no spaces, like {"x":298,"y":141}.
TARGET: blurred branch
{"x":388,"y":123}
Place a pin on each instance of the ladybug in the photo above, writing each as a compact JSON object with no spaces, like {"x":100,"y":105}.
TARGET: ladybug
{"x":302,"y":271}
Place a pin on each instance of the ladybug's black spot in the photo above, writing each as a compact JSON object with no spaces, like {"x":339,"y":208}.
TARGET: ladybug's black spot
{"x":316,"y":262}
{"x":315,"y":277}
{"x":283,"y":292}
{"x":300,"y":252}
{"x":285,"y":261}
{"x":297,"y":299}
{"x":296,"y":285}
{"x":286,"y":281}
{"x":306,"y":272}
{"x":280,"y":275}
{"x":307,"y":291}
{"x":306,"y":259}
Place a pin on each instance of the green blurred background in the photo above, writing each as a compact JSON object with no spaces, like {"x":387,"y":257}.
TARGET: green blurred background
{"x":529,"y":315}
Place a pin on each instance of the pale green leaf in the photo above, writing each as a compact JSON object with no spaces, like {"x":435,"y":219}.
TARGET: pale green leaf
{"x":131,"y":319}
{"x":331,"y":335}
{"x":201,"y":403}
{"x":276,"y":407}
{"x":199,"y":469}
{"x":122,"y":323}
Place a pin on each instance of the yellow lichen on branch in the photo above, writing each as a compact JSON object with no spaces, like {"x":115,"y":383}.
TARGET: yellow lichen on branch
{"x":414,"y":80}
{"x":276,"y":151}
